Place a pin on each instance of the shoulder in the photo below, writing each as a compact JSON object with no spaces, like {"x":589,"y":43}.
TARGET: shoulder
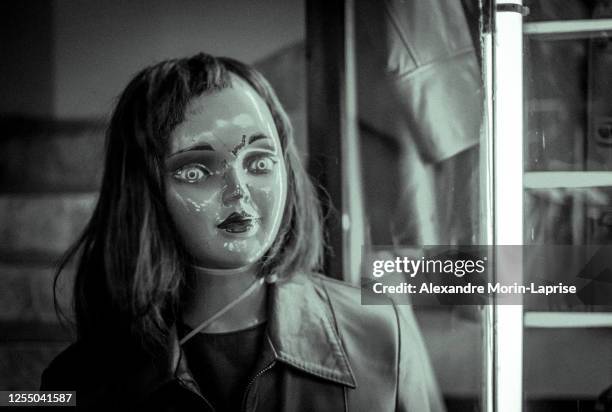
{"x":351,"y":300}
{"x":373,"y":327}
{"x":370,"y":337}
{"x":81,"y":366}
{"x":98,"y":373}
{"x":384,"y":344}
{"x":62,"y":373}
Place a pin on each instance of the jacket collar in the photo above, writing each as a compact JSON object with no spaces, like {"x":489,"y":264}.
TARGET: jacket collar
{"x":300,"y":332}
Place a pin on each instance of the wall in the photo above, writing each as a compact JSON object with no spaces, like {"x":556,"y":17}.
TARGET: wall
{"x":26,"y":57}
{"x":121,"y":37}
{"x":74,"y":57}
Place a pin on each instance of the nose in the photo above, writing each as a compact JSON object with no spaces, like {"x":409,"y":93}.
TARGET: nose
{"x":235,"y":188}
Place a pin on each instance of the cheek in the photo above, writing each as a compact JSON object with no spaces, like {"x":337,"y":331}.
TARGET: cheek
{"x":189,"y":206}
{"x":269,"y":195}
{"x":267,"y":201}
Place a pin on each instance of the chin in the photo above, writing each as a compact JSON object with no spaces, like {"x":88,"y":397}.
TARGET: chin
{"x":229,"y":261}
{"x":230,"y":253}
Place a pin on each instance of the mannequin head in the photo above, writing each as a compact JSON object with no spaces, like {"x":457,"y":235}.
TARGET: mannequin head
{"x":201,"y":168}
{"x":226,"y":181}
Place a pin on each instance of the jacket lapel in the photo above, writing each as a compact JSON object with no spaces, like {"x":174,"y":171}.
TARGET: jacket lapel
{"x":302,"y":331}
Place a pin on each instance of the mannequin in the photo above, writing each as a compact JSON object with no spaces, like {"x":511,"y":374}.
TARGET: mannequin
{"x":226,"y":187}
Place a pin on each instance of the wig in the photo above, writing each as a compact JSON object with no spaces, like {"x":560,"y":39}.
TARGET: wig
{"x":131,"y":266}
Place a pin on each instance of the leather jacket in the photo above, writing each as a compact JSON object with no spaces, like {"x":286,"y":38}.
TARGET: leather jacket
{"x":323,"y":351}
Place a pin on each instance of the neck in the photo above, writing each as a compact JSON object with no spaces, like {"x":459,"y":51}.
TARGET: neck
{"x":213,"y":289}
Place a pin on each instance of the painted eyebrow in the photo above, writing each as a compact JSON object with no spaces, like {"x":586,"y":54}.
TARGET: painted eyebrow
{"x":207,"y":147}
{"x":204,"y":146}
{"x":257,"y":136}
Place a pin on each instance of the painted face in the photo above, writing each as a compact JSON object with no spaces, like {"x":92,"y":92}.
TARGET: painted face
{"x":226,"y":178}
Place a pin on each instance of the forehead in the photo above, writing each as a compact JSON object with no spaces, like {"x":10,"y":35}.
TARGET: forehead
{"x":222,"y":119}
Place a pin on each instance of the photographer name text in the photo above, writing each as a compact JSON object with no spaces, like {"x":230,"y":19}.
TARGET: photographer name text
{"x":469,"y":288}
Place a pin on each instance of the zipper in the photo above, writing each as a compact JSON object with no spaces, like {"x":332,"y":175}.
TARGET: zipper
{"x":248,"y":388}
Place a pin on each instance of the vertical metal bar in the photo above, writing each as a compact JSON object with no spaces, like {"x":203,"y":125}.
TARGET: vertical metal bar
{"x":486,"y":201}
{"x":352,"y":197}
{"x":332,"y":130}
{"x":508,"y":197}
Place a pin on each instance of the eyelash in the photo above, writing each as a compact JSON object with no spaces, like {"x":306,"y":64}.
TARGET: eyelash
{"x":251,"y":164}
{"x":181,"y":173}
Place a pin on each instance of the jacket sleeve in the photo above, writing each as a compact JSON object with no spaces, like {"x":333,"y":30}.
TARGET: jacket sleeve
{"x":60,"y":373}
{"x":52,"y":380}
{"x":45,"y":381}
{"x":417,"y":387}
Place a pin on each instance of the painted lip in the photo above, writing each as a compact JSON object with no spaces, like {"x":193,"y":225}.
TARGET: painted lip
{"x":238,"y":222}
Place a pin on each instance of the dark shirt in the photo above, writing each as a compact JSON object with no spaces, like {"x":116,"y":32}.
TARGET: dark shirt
{"x":222,"y":363}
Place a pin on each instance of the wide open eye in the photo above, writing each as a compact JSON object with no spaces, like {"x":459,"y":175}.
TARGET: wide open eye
{"x":192,"y":173}
{"x":260,"y":164}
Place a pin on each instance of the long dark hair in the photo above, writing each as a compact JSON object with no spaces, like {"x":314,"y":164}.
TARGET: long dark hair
{"x":131,"y":265}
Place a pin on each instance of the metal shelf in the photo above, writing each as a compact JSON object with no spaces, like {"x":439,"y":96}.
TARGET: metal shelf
{"x":567,"y":26}
{"x":568,"y":320}
{"x":554,"y":180}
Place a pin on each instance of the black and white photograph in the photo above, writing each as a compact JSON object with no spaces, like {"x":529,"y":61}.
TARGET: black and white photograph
{"x":306,"y":205}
